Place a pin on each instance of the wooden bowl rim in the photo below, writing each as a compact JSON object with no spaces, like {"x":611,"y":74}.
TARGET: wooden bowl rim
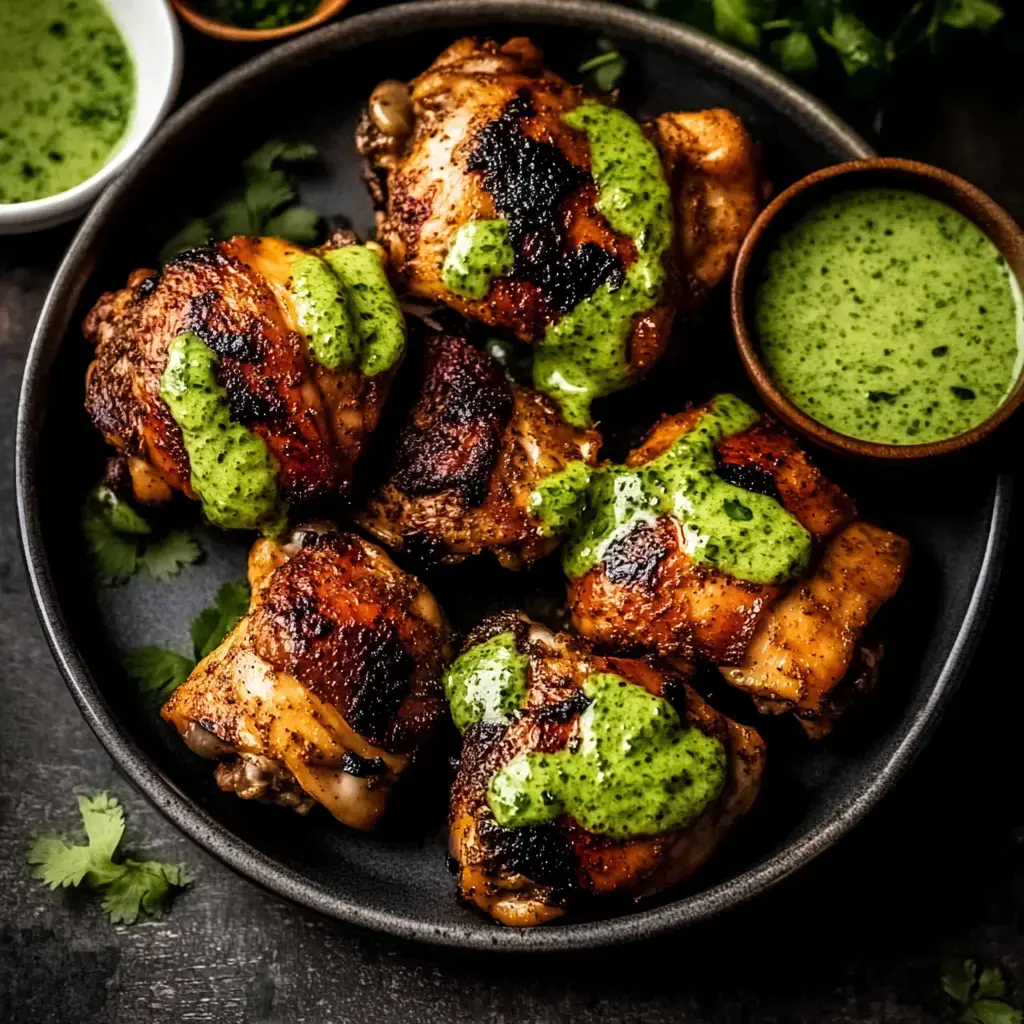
{"x":232,"y":33}
{"x":959,"y":193}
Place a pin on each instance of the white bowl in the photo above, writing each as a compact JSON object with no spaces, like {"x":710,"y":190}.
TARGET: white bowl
{"x":150,"y":31}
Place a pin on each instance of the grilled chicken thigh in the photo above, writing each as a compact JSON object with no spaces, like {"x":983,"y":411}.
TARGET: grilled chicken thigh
{"x":471,"y":450}
{"x":566,"y":205}
{"x":530,"y":701}
{"x":327,"y":688}
{"x":287,"y":371}
{"x":661,"y":581}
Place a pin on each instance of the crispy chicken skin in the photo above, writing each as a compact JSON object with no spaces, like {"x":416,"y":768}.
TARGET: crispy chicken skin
{"x":804,"y":645}
{"x":471,"y":450}
{"x":234,"y":295}
{"x":326,"y":689}
{"x":481,"y":103}
{"x":532,"y":875}
{"x":648,"y":595}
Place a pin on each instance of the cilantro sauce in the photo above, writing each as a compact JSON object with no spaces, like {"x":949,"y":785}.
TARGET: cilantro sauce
{"x":347,"y":310}
{"x":67,"y":89}
{"x":487,"y":683}
{"x":480,"y":253}
{"x":636,"y":769}
{"x":233,"y":473}
{"x":890,"y":317}
{"x":747,"y":535}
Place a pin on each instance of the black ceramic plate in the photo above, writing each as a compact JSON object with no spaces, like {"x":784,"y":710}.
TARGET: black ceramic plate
{"x":397,"y":881}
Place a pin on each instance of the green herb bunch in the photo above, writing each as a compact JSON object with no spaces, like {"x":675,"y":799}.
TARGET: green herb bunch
{"x":866,"y":39}
{"x":980,"y":993}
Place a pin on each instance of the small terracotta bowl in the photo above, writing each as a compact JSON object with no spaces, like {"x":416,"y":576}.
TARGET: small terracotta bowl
{"x":221,"y":30}
{"x":988,"y":215}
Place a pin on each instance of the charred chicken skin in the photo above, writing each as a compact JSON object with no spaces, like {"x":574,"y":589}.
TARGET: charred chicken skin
{"x":470,"y":452}
{"x":327,"y":688}
{"x":666,"y":776}
{"x":750,"y":559}
{"x":511,"y":196}
{"x":285,"y":394}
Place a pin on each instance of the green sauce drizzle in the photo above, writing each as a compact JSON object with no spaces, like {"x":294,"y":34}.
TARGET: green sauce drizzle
{"x":487,"y":683}
{"x":480,"y":253}
{"x":559,"y":500}
{"x":67,"y":89}
{"x":373,"y":305}
{"x":636,"y":770}
{"x":233,"y":472}
{"x":889,"y":316}
{"x":321,"y":305}
{"x":747,"y":535}
{"x":584,"y":355}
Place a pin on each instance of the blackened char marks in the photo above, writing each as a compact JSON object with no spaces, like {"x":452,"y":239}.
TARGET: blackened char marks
{"x":362,"y":767}
{"x":529,"y":181}
{"x":635,"y":557}
{"x":748,"y":476}
{"x":542,"y":853}
{"x":453,"y":435}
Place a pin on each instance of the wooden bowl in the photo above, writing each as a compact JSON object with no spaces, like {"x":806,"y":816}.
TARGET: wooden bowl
{"x":962,"y":196}
{"x":222,"y":30}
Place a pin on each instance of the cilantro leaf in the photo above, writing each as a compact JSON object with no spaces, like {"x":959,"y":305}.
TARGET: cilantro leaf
{"x":298,"y":224}
{"x":991,"y":983}
{"x":267,"y":193}
{"x":606,"y":68}
{"x":979,"y":14}
{"x":991,"y":1011}
{"x":146,"y":887}
{"x":958,"y":979}
{"x":214,"y":623}
{"x":737,"y":21}
{"x":167,"y":556}
{"x":858,"y":47}
{"x":795,"y":53}
{"x":157,"y":671}
{"x":233,"y":218}
{"x":195,"y":233}
{"x":980,"y":994}
{"x":128,"y":887}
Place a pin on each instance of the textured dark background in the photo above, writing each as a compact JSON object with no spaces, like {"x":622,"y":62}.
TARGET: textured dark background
{"x":936,"y":871}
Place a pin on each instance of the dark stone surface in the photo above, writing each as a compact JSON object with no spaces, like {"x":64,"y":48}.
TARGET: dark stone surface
{"x":937,"y":870}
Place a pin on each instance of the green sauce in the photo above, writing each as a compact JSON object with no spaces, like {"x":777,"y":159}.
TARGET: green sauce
{"x":480,"y":253}
{"x":233,"y":472}
{"x":321,"y":305}
{"x":888,"y":316}
{"x":373,"y":305}
{"x":636,"y":770}
{"x":487,"y":683}
{"x":67,"y":88}
{"x":259,"y":14}
{"x":559,"y":499}
{"x":747,"y":535}
{"x":584,"y":355}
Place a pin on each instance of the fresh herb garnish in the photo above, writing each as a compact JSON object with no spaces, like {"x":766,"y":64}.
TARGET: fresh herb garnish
{"x":865,"y":40}
{"x":128,"y":887}
{"x":980,"y":993}
{"x":159,"y":672}
{"x":266,"y":205}
{"x":606,"y":68}
{"x":121,"y":542}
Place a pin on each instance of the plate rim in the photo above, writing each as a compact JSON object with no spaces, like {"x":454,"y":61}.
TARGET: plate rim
{"x":190,"y":818}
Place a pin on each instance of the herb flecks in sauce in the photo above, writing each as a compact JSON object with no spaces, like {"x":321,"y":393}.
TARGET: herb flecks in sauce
{"x":559,"y":499}
{"x":67,"y":88}
{"x":480,"y":253}
{"x":322,"y":309}
{"x":373,"y":305}
{"x":747,"y":535}
{"x":233,"y":473}
{"x":487,"y":683}
{"x":636,"y":769}
{"x":584,"y":355}
{"x":888,"y":316}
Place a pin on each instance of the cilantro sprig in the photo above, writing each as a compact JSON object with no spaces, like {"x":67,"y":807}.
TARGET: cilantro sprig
{"x":979,"y":992}
{"x":606,"y":68}
{"x":158,"y":672}
{"x":265,"y":204}
{"x":865,"y":40}
{"x":121,"y":541}
{"x":129,"y":888}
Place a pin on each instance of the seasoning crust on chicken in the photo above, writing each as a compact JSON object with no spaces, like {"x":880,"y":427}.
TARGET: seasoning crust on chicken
{"x":532,"y":874}
{"x":648,"y":592}
{"x":471,"y":450}
{"x":239,"y":299}
{"x":515,"y":198}
{"x":327,"y":688}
